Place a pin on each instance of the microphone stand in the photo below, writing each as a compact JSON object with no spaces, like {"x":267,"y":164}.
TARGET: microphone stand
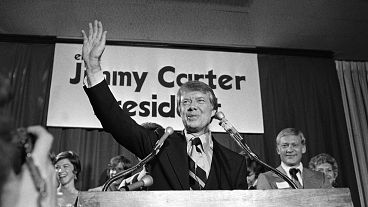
{"x":127,"y":171}
{"x":140,"y":164}
{"x":230,"y":129}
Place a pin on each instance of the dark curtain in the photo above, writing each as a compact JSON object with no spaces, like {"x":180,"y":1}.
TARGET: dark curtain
{"x":353,"y":79}
{"x":301,"y":92}
{"x":28,"y":66}
{"x":304,"y":92}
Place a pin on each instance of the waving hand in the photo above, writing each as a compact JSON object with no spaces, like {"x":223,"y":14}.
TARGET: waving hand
{"x":93,"y":46}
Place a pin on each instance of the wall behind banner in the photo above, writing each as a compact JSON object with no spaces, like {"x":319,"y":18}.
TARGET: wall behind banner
{"x":298,"y":92}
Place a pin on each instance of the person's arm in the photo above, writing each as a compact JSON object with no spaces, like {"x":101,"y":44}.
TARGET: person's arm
{"x":242,"y":178}
{"x":113,"y":119}
{"x":28,"y":194}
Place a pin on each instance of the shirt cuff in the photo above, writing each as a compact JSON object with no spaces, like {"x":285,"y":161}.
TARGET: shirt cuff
{"x":93,"y":79}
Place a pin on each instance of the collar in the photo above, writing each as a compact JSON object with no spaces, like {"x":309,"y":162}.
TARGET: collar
{"x":206,"y":140}
{"x":287,"y":168}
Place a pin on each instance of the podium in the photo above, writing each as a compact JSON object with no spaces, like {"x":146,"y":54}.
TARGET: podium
{"x":218,"y":198}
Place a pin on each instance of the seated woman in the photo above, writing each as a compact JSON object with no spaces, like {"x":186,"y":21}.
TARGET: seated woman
{"x":254,"y":169}
{"x":327,"y":164}
{"x":67,"y":167}
{"x":117,"y":164}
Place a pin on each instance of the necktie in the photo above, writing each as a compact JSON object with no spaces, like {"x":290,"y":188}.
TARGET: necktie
{"x":197,"y":176}
{"x":293,"y":172}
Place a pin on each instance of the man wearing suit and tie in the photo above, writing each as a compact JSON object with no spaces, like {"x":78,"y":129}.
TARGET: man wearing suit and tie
{"x":191,"y":159}
{"x":290,"y":145}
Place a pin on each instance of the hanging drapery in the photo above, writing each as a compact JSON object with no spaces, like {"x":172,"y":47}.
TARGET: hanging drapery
{"x":28,"y":67}
{"x":353,"y":77}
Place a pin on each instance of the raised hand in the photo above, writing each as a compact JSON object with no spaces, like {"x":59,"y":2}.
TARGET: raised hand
{"x":93,"y":46}
{"x":28,"y":194}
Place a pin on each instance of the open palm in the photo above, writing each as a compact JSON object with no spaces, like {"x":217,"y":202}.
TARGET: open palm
{"x":93,"y":45}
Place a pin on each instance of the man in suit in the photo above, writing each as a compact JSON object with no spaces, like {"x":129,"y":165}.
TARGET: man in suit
{"x":290,"y":145}
{"x":191,"y":159}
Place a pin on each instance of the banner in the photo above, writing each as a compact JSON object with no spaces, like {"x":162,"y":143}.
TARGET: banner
{"x":145,"y":80}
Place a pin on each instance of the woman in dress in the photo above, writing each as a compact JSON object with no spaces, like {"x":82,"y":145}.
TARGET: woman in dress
{"x":67,"y":167}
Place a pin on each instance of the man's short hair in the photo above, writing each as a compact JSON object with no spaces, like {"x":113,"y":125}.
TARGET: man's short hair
{"x":191,"y":86}
{"x":290,"y":132}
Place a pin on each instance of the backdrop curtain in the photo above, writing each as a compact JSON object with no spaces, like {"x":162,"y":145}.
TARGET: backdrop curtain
{"x":28,"y":66}
{"x":353,"y":78}
{"x":301,"y":92}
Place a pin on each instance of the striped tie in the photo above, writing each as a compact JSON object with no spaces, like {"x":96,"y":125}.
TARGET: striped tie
{"x":293,"y":172}
{"x":197,"y":176}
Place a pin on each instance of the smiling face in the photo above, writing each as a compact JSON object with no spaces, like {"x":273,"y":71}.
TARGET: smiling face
{"x":115,"y":170}
{"x":65,"y":171}
{"x":290,"y":149}
{"x":196,"y":111}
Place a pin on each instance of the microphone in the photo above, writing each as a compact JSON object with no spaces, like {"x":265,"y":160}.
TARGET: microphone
{"x":146,"y":181}
{"x":230,"y":129}
{"x":155,"y":151}
{"x":160,"y":142}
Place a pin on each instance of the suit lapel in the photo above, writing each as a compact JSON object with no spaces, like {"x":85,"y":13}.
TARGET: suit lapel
{"x":281,"y":170}
{"x":212,"y":177}
{"x":177,"y":155}
{"x":277,"y":179}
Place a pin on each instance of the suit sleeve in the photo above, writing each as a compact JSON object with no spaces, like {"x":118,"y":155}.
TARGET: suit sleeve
{"x":116,"y":121}
{"x":242,"y":178}
{"x":262,"y":183}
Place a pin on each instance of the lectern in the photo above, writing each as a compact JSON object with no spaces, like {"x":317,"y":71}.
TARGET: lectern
{"x":218,"y":198}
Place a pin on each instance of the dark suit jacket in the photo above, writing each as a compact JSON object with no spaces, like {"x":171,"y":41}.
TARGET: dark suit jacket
{"x":311,"y":179}
{"x":170,"y":168}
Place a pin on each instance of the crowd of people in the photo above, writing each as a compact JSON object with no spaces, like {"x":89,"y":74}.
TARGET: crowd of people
{"x":189,"y":160}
